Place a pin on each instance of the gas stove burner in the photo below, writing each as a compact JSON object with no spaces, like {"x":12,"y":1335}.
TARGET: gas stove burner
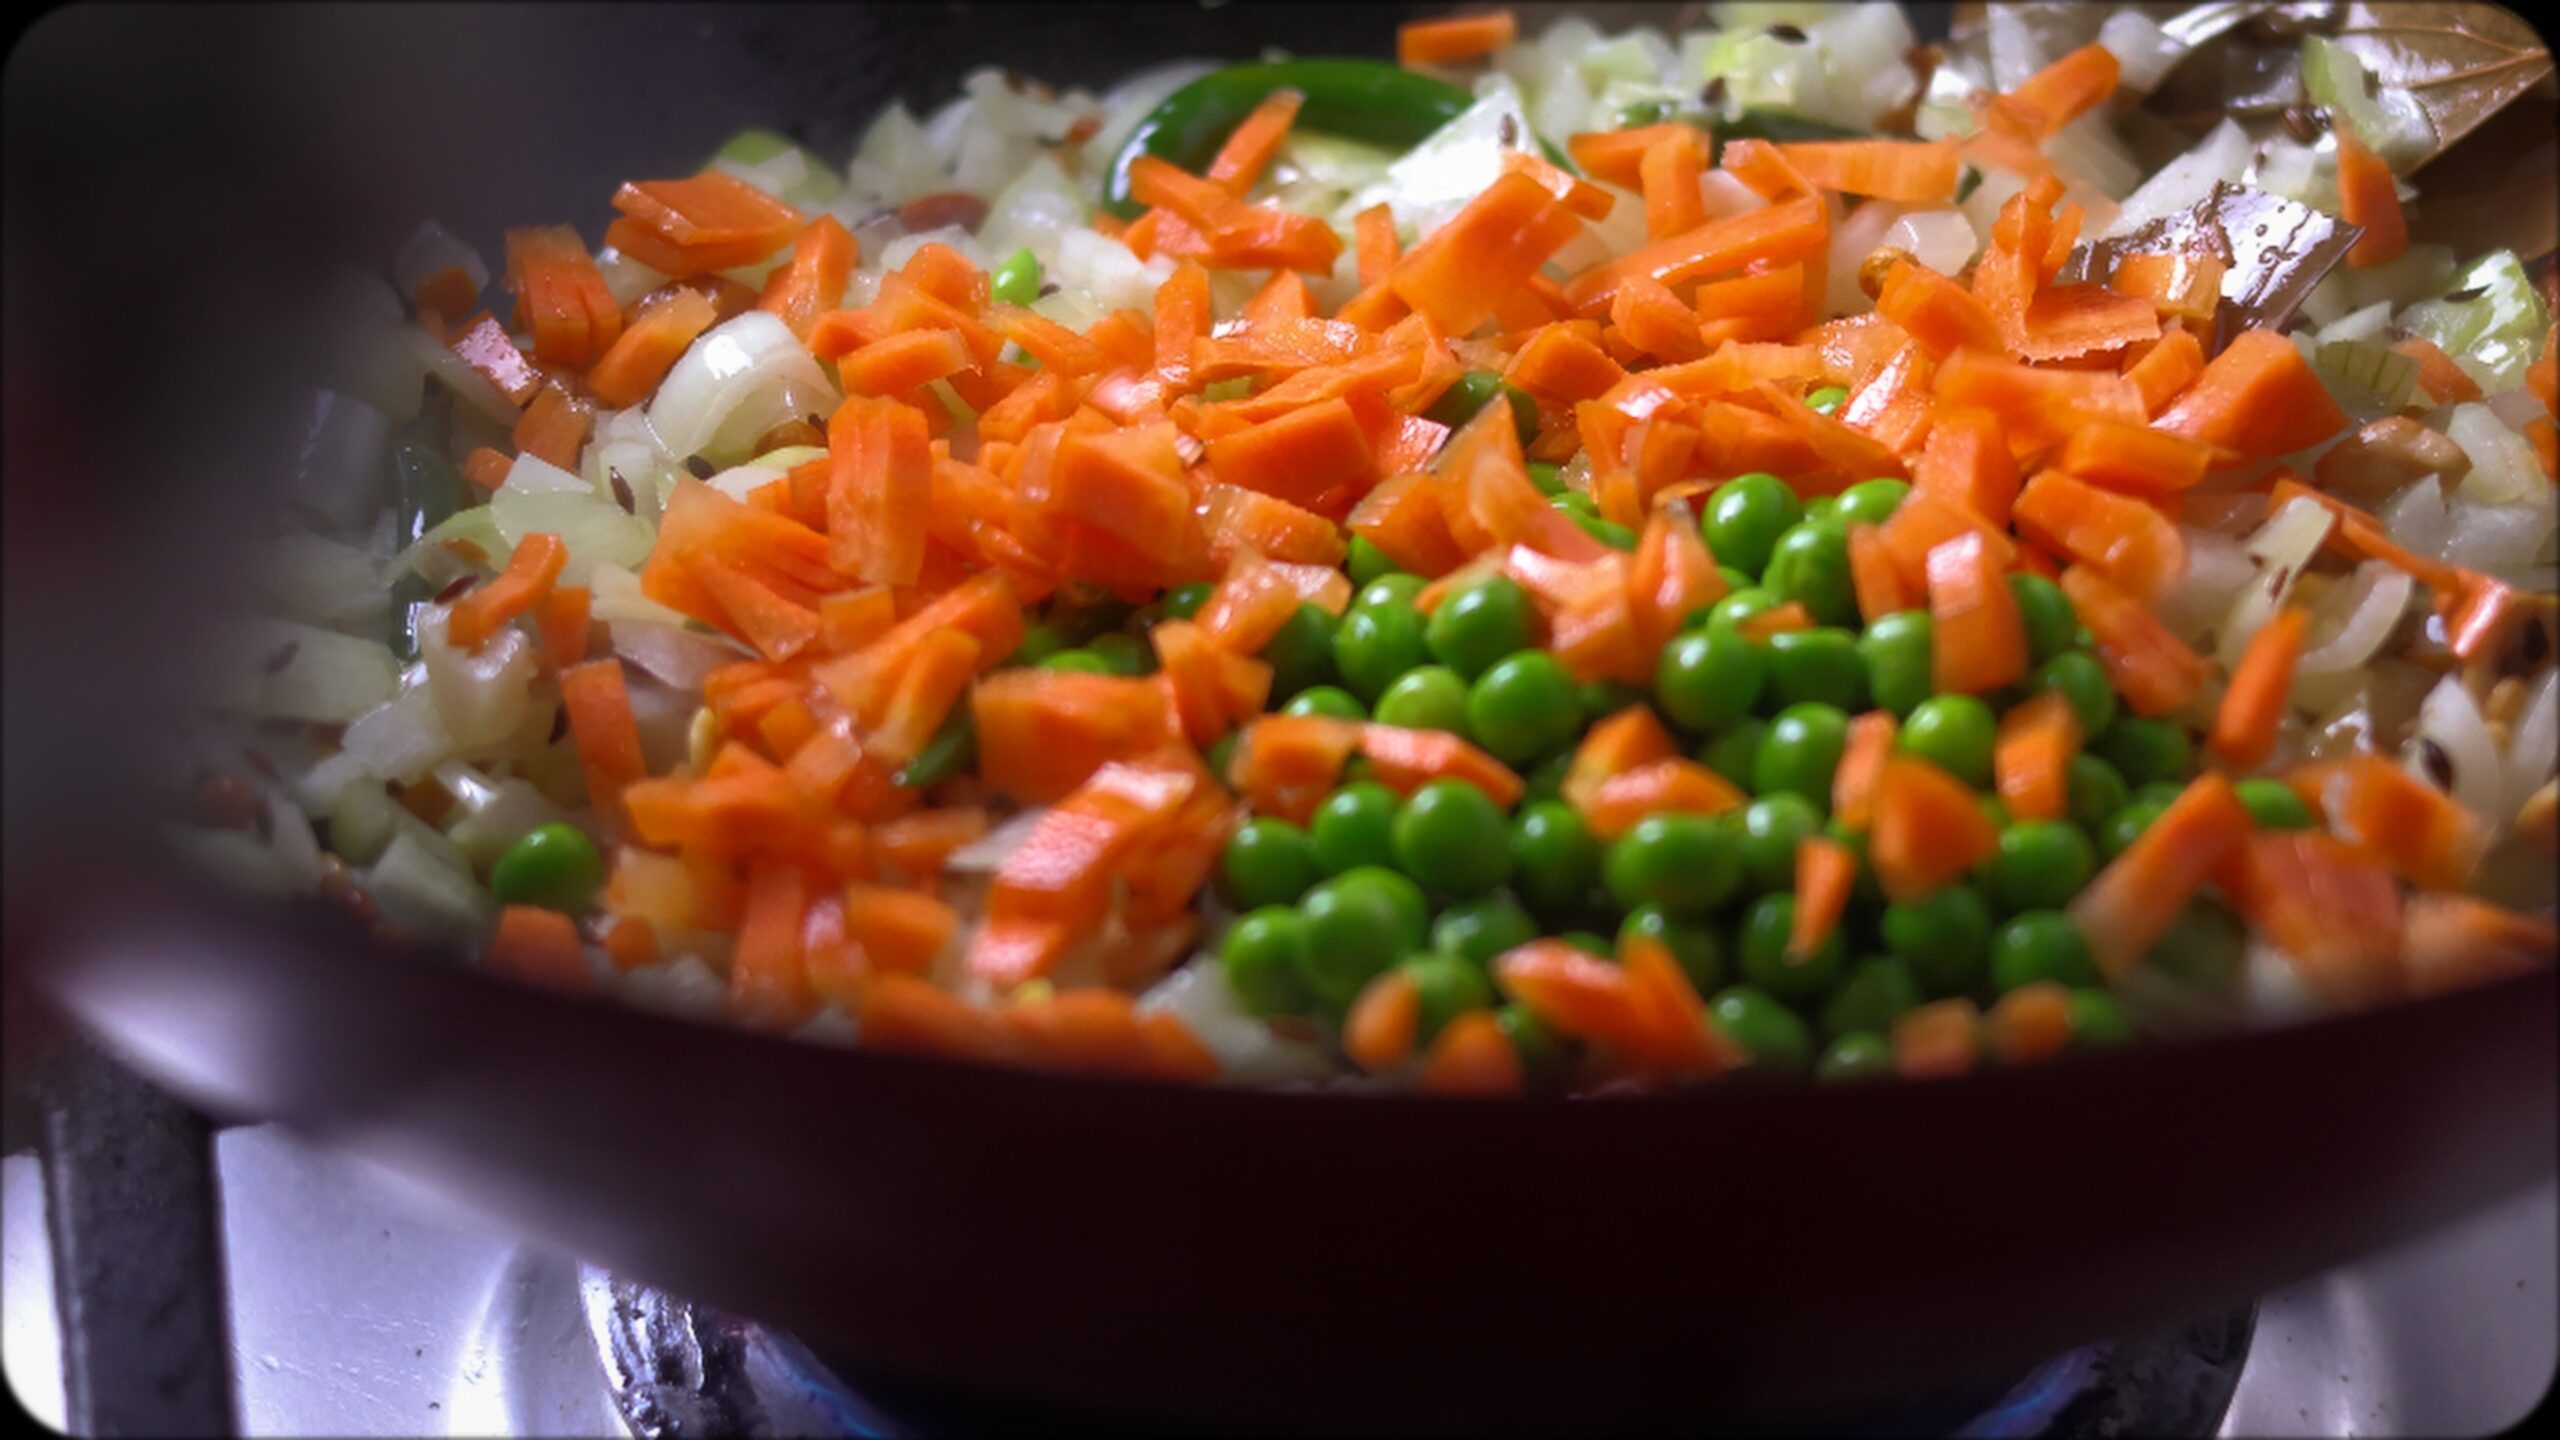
{"x":679,"y":1371}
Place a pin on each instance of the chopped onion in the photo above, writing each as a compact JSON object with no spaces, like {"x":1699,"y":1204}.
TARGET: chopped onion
{"x":596,"y":531}
{"x":684,"y":986}
{"x":2533,"y":746}
{"x":1248,"y":1051}
{"x":986,"y":853}
{"x":617,"y":598}
{"x":2180,"y":184}
{"x":2512,"y":542}
{"x":2217,"y":566}
{"x":283,"y":670}
{"x":2144,"y":52}
{"x":678,"y":656}
{"x":2503,"y":468}
{"x":480,"y":696}
{"x":2349,"y":624}
{"x":415,"y":885}
{"x":2451,"y":720}
{"x":401,"y":739}
{"x":316,"y":578}
{"x":238,"y":858}
{"x":2015,"y":52}
{"x":1436,"y":179}
{"x":339,"y":472}
{"x":455,"y":374}
{"x":430,"y":251}
{"x":2280,"y":548}
{"x":1943,"y":240}
{"x":1723,"y":195}
{"x":1856,"y":236}
{"x":498,"y":817}
{"x":742,"y":378}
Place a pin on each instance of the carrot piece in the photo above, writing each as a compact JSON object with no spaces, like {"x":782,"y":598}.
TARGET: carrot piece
{"x":1042,"y":733}
{"x":1966,"y":461}
{"x":1672,"y":578}
{"x":1674,"y":1038}
{"x":2369,"y":197}
{"x":560,"y":295}
{"x":485,"y":347}
{"x":2450,"y":941}
{"x":1939,"y":314}
{"x":878,"y":490}
{"x":895,"y":364}
{"x":1379,"y":1032}
{"x":1776,"y":620}
{"x":2152,"y":669}
{"x":2258,"y":398}
{"x":983,"y":606}
{"x":1862,"y":757}
{"x":2030,"y":1023}
{"x":1455,"y":38}
{"x":2065,"y":90}
{"x":1668,"y":174}
{"x":904,"y":1014}
{"x":1980,"y":642}
{"x":2179,"y":285}
{"x":1249,"y":147}
{"x":900,"y":931}
{"x":1404,"y":760}
{"x":2333,"y":909}
{"x":1928,"y":829}
{"x":1617,"y":156}
{"x":515,"y":590}
{"x":1789,"y":230}
{"x":854,"y":618}
{"x":598,"y":706}
{"x":2037,"y":408}
{"x":931,"y":683}
{"x":561,"y":620}
{"x":1562,"y":364}
{"x":813,"y":280}
{"x":1623,"y":742}
{"x":2133,"y":900}
{"x":2031,"y":757}
{"x":1940,"y":1039}
{"x":539,"y":947}
{"x":766,"y":977}
{"x":2421,"y":831}
{"x":1573,"y":992}
{"x":486,"y":469}
{"x":2445,"y":382}
{"x":1660,"y":787}
{"x":2166,"y":369}
{"x":1825,"y":871}
{"x":1460,"y":274}
{"x":1212,"y":687}
{"x":2253,"y":706}
{"x":2135,"y":459}
{"x":711,"y":221}
{"x":1912,"y":171}
{"x":649,"y":347}
{"x":554,"y":427}
{"x":448,"y":291}
{"x":1373,"y":241}
{"x":2123,"y":538}
{"x":631,"y":944}
{"x":1298,"y":457}
{"x":1472,"y":1056}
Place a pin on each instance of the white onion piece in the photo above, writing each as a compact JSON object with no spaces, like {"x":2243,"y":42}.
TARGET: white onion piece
{"x":2365,"y":324}
{"x":2217,"y":566}
{"x":1248,"y":1051}
{"x":455,"y":374}
{"x":1941,"y":239}
{"x":2507,"y":541}
{"x":2517,"y":408}
{"x":663,"y":715}
{"x":2273,"y":987}
{"x":683,"y":986}
{"x":742,"y":378}
{"x":2144,"y":52}
{"x":481,"y":696}
{"x":401,"y":739}
{"x":317,"y":578}
{"x":987,"y":853}
{"x":2503,"y":468}
{"x":2279,"y":548}
{"x":617,"y":598}
{"x":1724,"y":196}
{"x":431,"y":250}
{"x":2452,"y":719}
{"x":2350,"y":623}
{"x":2222,"y":155}
{"x":595,"y":531}
{"x":2418,"y":517}
{"x":1856,"y":236}
{"x":677,"y":656}
{"x":415,"y":885}
{"x":2533,"y":746}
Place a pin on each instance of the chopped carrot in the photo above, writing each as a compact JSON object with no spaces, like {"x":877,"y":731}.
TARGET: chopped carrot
{"x":878,"y":490}
{"x":2123,"y":538}
{"x":2182,"y":286}
{"x":1404,"y":760}
{"x":486,"y":468}
{"x":1631,"y":738}
{"x":2424,"y":833}
{"x":1939,"y":314}
{"x":712,"y":221}
{"x":1673,"y":786}
{"x":484,"y":346}
{"x":1298,"y":457}
{"x":650,"y":346}
{"x":1915,"y":172}
{"x":598,"y":706}
{"x":1674,"y":1037}
{"x":2135,"y":459}
{"x":1966,"y":461}
{"x":540,"y":947}
{"x":1668,"y":175}
{"x":1928,"y":829}
{"x":2030,"y":1023}
{"x":530,"y":571}
{"x":905,"y":1014}
{"x":1617,"y":156}
{"x":1459,"y":274}
{"x":1825,"y":871}
{"x":1041,"y":733}
{"x":2133,"y":900}
{"x":1379,"y":1032}
{"x":1655,"y":322}
{"x":1561,"y":364}
{"x":1862,"y":757}
{"x":2445,"y":382}
{"x":1373,"y":240}
{"x":814,"y":279}
{"x":2166,"y":369}
{"x":1573,"y":992}
{"x":901,"y":932}
{"x":1979,"y":642}
{"x":2253,"y":705}
{"x":554,"y":427}
{"x":1472,"y":1056}
{"x":1672,"y":579}
{"x":560,"y":296}
{"x":2152,"y":669}
{"x":2451,"y":941}
{"x":2370,"y":198}
{"x":631,"y":944}
{"x":2031,"y":756}
{"x":1249,"y":147}
{"x":1940,"y":1039}
{"x":2257,"y":398}
{"x":2066,"y":89}
{"x":1458,"y":37}
{"x":561,"y":620}
{"x":1790,"y":230}
{"x":2332,"y":909}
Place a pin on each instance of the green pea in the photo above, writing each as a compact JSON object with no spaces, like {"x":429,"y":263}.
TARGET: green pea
{"x":554,"y":866}
{"x":1818,"y":666}
{"x":1328,"y":700}
{"x":1267,"y":862}
{"x":1081,"y":661}
{"x":1735,"y":754}
{"x":1040,"y":640}
{"x":1480,"y":624}
{"x":1016,"y":281}
{"x":1483,"y":928}
{"x":1354,"y":827}
{"x":1877,"y":991}
{"x":1126,"y":654}
{"x":2040,"y":945}
{"x":2050,"y":621}
{"x":1738,"y":606}
{"x":1811,"y":567}
{"x":1541,"y":1052}
{"x":1607,"y":697}
{"x":2159,"y":792}
{"x":1396,"y":589}
{"x":1524,"y":707}
{"x":2147,"y":751}
{"x":1589,"y":943}
{"x":1745,"y":516}
{"x":1943,"y":936}
{"x":1554,"y":856}
{"x":1900,"y":657}
{"x":1955,"y":733}
{"x":2077,"y":677}
{"x":1772,"y":1037}
{"x":1692,"y":943}
{"x":2273,"y":804}
{"x":1770,"y":829}
{"x":1548,"y":478}
{"x":1263,"y":957}
{"x":1375,"y":645}
{"x":1870,"y":502}
{"x":1473,"y":391}
{"x":1430,"y":697}
{"x":1358,"y":923}
{"x":1439,"y":839}
{"x":1446,"y":987}
{"x":1707,"y":679}
{"x":2040,"y":865}
{"x":1733,"y":580}
{"x":1607,"y":532}
{"x":2096,"y":791}
{"x":1801,"y":752}
{"x":1545,"y":780}
{"x":1860,"y":1055}
{"x":1301,"y":654}
{"x":1994,"y":810}
{"x":1765,"y":962}
{"x":2126,"y":825}
{"x":1182,"y":602}
{"x":1220,"y":755}
{"x":1684,"y":863}
{"x":1366,"y":563}
{"x":2097,"y":1021}
{"x":1822,"y":507}
{"x":1827,"y":399}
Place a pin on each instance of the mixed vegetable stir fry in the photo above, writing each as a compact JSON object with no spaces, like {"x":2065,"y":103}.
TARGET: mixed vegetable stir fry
{"x":1576,"y":564}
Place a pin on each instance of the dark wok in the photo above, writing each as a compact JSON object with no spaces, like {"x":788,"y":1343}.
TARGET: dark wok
{"x":1290,"y":1260}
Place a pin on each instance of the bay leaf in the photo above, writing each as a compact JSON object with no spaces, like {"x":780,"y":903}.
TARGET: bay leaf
{"x":2496,"y":190}
{"x":2462,"y":62}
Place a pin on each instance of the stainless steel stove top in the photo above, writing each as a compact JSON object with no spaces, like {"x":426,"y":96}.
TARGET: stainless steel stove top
{"x":360,"y":1307}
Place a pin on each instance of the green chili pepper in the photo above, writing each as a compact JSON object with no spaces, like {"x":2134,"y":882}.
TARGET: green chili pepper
{"x":952,"y":749}
{"x":1368,"y":100}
